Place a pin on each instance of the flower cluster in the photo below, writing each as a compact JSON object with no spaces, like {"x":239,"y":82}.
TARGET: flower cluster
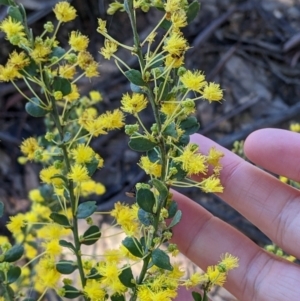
{"x":50,"y":230}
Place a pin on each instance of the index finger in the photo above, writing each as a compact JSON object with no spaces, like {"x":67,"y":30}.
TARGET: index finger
{"x":272,"y":206}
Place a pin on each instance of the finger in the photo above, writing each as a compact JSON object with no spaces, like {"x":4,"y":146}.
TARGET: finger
{"x":275,"y":150}
{"x":259,"y":277}
{"x":272,"y":206}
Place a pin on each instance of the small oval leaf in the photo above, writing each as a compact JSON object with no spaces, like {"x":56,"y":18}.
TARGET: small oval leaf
{"x":190,"y":125}
{"x":14,"y":254}
{"x":14,"y":12}
{"x":66,"y":267}
{"x":176,"y":219}
{"x":192,"y":11}
{"x":91,"y":235}
{"x":34,"y":109}
{"x":141,"y":144}
{"x":145,"y":199}
{"x":67,"y":244}
{"x":162,"y":189}
{"x":13,"y":274}
{"x":161,"y":260}
{"x":133,"y":246}
{"x":135,"y":77}
{"x":71,"y":292}
{"x":63,"y":85}
{"x":86,"y":209}
{"x":60,"y":219}
{"x":196,"y":296}
{"x":145,"y":218}
{"x":126,"y":277}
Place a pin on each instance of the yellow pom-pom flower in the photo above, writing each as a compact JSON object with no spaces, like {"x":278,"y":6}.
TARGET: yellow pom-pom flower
{"x":212,"y":92}
{"x":133,"y":104}
{"x":193,"y":80}
{"x":79,"y":173}
{"x":64,"y":12}
{"x":78,"y":41}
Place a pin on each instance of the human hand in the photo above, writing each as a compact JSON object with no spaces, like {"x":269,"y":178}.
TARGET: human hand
{"x":274,"y":207}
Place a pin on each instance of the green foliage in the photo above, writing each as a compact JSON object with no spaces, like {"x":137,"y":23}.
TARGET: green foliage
{"x":66,"y":267}
{"x":161,"y":260}
{"x":60,"y":219}
{"x":126,"y":277}
{"x":35,"y":109}
{"x":14,"y":253}
{"x":141,"y":144}
{"x":133,"y":246}
{"x":91,"y":235}
{"x":86,"y":209}
{"x":135,"y":77}
{"x":146,"y":199}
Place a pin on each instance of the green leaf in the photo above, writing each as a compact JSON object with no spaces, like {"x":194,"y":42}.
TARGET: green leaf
{"x":71,"y":292}
{"x":184,"y":140}
{"x":14,"y":12}
{"x":154,"y":155}
{"x":13,"y":274}
{"x":145,"y":199}
{"x":196,"y":296}
{"x":133,"y":246}
{"x":117,"y":297}
{"x":166,"y":24}
{"x":158,"y":61}
{"x":14,"y":254}
{"x":135,"y":77}
{"x":34,"y":109}
{"x":181,"y":174}
{"x":5,"y":2}
{"x":93,"y":274}
{"x":161,"y":260}
{"x":1,"y":209}
{"x":67,"y":244}
{"x":162,"y":189}
{"x":60,"y":219}
{"x":6,"y":292}
{"x":67,"y":137}
{"x":170,"y":130}
{"x":176,"y":219}
{"x":2,"y":277}
{"x":172,"y":209}
{"x":126,"y":277}
{"x":66,"y":267}
{"x":190,"y":125}
{"x":62,"y":84}
{"x":192,"y":11}
{"x":58,"y":52}
{"x":163,"y":91}
{"x":86,"y":209}
{"x":31,"y":69}
{"x":46,"y":192}
{"x":91,"y":235}
{"x":145,"y":218}
{"x":92,"y":166}
{"x":141,"y":144}
{"x":136,"y":89}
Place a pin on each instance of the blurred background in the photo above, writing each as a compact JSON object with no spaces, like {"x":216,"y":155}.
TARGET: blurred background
{"x":252,"y":48}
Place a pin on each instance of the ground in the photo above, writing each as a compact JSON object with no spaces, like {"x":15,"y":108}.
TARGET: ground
{"x":252,"y":48}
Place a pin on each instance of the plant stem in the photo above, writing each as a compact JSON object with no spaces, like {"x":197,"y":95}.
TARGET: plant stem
{"x":70,"y":186}
{"x":161,"y":142}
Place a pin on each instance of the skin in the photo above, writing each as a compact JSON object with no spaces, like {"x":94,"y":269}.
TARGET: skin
{"x":272,"y":206}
